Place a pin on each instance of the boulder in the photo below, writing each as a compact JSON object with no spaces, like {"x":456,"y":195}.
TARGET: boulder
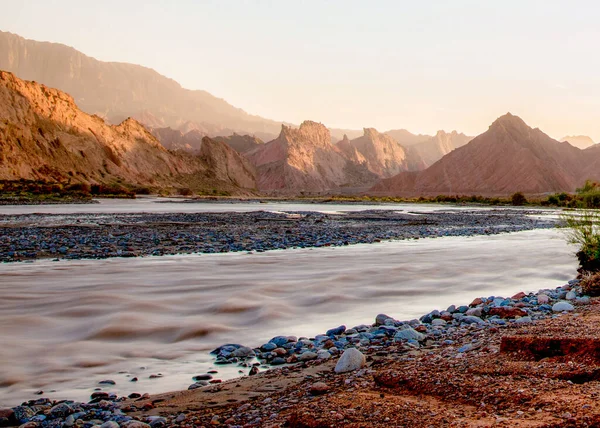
{"x":352,"y":359}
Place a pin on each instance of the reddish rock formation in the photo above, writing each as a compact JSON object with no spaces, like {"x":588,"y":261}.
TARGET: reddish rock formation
{"x":45,"y":136}
{"x":509,"y":157}
{"x":300,"y":159}
{"x":381,"y":153}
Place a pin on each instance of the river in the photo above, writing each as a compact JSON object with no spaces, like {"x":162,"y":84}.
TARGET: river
{"x":65,"y":326}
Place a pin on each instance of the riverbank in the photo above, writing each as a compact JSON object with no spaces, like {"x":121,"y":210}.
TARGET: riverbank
{"x":103,"y":235}
{"x":482,"y":364}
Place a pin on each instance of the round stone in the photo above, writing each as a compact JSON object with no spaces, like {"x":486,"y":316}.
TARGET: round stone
{"x":352,"y":359}
{"x":562,"y":307}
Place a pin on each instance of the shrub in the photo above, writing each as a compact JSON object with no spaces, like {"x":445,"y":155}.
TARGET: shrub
{"x":78,"y":187}
{"x":518,"y":199}
{"x":583,"y":230}
{"x":142,"y":191}
{"x":590,"y":284}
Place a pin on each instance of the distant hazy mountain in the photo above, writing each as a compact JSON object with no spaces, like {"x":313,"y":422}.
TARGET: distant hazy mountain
{"x":407,"y":138}
{"x":174,"y":139}
{"x":442,"y":143}
{"x":44,"y":136}
{"x":429,"y":148}
{"x":509,"y":157}
{"x":579,"y":141}
{"x":241,"y":143}
{"x":116,"y":91}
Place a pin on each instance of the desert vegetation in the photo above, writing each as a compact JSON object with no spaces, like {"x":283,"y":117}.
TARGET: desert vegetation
{"x":41,"y":191}
{"x":583,"y":228}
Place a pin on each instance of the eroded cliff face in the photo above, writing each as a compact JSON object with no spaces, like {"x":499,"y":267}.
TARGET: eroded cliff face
{"x":227,"y":165}
{"x":299,"y":160}
{"x":509,"y":157}
{"x":382,"y":155}
{"x":44,"y":135}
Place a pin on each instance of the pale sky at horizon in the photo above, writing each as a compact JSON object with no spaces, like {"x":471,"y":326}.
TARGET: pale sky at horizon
{"x":422,"y":66}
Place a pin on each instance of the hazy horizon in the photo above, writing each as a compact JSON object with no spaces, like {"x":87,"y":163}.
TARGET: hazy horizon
{"x":388,"y":65}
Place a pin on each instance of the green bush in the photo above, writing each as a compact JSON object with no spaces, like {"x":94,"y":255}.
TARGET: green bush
{"x":583,"y":230}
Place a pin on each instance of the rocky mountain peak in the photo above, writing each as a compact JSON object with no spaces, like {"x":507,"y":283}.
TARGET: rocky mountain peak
{"x":309,"y":132}
{"x":509,"y":121}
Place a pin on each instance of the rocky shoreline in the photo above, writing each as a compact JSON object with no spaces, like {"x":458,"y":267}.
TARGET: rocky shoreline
{"x":453,"y":367}
{"x":97,"y":236}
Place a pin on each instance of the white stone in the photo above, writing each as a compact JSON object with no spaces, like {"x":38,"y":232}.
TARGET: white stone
{"x":352,"y":359}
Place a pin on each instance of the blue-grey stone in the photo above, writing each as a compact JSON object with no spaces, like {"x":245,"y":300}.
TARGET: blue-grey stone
{"x":279,"y":340}
{"x":562,"y":306}
{"x":336,"y":331}
{"x":408,"y":333}
{"x":470,"y":319}
{"x":268,"y":347}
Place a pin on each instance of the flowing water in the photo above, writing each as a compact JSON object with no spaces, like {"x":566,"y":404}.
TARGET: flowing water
{"x":65,"y":326}
{"x":171,"y":205}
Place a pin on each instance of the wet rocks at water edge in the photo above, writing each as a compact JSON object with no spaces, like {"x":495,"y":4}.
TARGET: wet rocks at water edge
{"x":98,"y":236}
{"x":447,"y":327}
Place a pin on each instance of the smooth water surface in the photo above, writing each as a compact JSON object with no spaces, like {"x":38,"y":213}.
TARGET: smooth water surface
{"x":66,"y":325}
{"x":172,"y":205}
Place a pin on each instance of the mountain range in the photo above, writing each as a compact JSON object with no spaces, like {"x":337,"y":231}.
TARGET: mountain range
{"x":45,"y":135}
{"x":509,"y":157}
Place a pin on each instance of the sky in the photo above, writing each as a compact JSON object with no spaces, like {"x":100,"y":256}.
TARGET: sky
{"x":420,"y":65}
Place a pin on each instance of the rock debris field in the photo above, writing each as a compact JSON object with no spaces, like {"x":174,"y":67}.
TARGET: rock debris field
{"x":95,"y":236}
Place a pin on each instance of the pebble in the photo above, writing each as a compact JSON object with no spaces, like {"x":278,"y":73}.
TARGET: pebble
{"x":319,"y":388}
{"x":323,"y":354}
{"x":408,"y":333}
{"x":381,"y":318}
{"x":307,"y":356}
{"x":543,"y":298}
{"x":562,"y":307}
